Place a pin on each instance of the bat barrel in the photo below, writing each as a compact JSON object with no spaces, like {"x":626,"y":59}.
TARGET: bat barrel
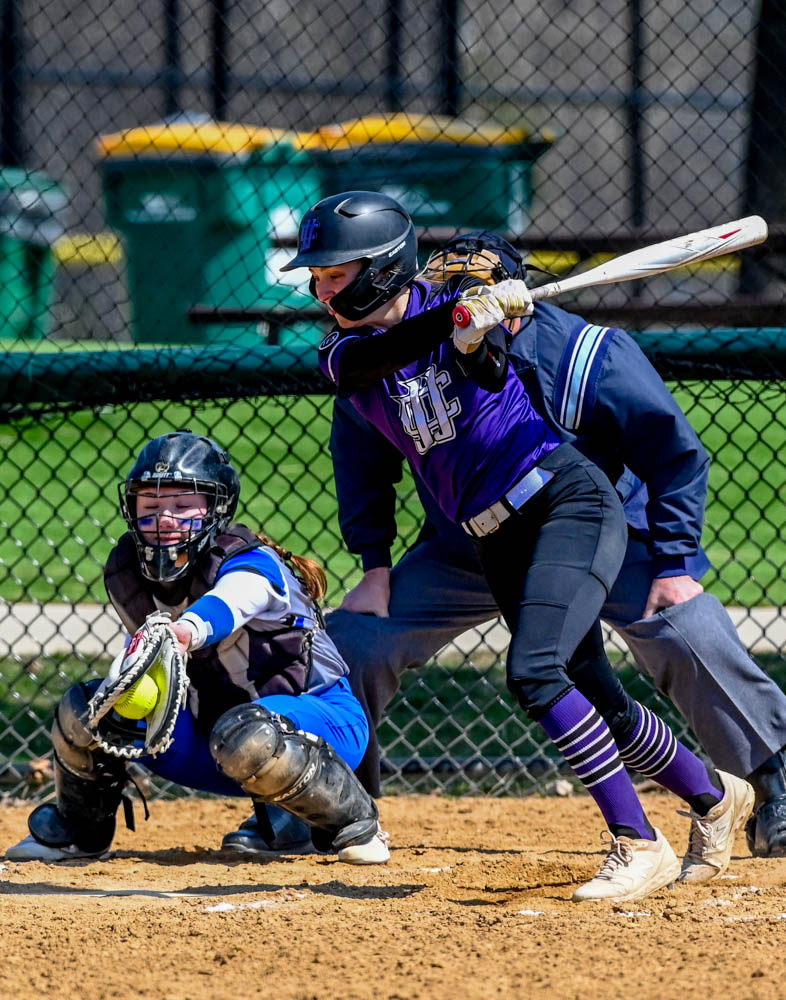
{"x":655,"y":259}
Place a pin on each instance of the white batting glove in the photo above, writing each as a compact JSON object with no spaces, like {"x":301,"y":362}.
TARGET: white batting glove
{"x":513,"y":296}
{"x":485,"y":313}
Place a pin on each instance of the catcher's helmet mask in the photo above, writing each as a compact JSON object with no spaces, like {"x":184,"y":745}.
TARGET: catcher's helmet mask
{"x":190,"y":464}
{"x":359,"y":225}
{"x":473,"y":253}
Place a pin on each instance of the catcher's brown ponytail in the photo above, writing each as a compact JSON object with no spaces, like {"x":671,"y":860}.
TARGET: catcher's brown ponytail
{"x":310,"y":572}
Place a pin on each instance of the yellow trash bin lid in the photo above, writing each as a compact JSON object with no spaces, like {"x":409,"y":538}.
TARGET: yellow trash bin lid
{"x":403,"y":127}
{"x":191,"y":136}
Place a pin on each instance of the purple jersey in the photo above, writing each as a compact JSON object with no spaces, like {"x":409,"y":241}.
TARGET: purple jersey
{"x":468,"y":445}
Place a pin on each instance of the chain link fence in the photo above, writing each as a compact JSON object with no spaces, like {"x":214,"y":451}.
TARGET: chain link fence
{"x":154,"y":161}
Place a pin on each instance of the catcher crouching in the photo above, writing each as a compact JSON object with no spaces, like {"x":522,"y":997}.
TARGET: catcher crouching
{"x":253,"y":696}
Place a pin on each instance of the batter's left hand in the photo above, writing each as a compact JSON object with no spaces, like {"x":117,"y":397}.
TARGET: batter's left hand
{"x":670,"y":590}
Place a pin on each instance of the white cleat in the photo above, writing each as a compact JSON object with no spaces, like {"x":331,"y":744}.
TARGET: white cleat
{"x":31,"y":849}
{"x":712,"y":836}
{"x":633,"y":869}
{"x":373,"y":852}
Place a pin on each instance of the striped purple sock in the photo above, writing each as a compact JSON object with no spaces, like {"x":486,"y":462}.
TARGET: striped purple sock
{"x":654,"y":750}
{"x":586,"y":743}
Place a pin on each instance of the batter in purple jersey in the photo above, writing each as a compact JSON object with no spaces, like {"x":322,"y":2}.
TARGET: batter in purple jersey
{"x":468,"y":445}
{"x":547,"y":524}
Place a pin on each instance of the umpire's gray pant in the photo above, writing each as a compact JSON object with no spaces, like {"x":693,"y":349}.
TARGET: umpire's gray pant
{"x":691,"y":651}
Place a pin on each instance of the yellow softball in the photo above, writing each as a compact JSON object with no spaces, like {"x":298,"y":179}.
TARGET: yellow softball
{"x":139,"y":700}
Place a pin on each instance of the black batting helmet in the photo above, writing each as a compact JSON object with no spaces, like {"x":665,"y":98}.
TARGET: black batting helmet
{"x":366,"y":226}
{"x":192,"y":464}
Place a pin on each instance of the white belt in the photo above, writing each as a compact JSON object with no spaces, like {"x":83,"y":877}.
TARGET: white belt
{"x":492,"y":517}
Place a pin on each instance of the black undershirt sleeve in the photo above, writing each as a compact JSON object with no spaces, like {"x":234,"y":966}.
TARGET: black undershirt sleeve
{"x":366,"y":360}
{"x":487,"y":366}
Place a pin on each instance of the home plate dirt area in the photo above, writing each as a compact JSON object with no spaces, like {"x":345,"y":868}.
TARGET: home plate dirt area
{"x":474,"y":903}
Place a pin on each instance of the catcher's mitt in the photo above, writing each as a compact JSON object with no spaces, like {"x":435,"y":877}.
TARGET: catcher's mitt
{"x":153,"y":650}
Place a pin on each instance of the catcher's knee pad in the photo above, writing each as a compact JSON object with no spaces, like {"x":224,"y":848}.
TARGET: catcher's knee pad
{"x":275,"y":762}
{"x":88,"y":782}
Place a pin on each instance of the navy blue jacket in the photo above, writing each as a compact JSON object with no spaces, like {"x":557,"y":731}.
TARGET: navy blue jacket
{"x":599,"y":391}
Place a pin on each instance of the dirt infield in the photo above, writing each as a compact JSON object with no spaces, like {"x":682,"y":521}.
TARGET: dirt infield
{"x":473,"y":904}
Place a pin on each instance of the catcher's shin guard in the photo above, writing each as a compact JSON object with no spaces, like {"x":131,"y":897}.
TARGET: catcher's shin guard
{"x":88,"y":783}
{"x":277,"y":763}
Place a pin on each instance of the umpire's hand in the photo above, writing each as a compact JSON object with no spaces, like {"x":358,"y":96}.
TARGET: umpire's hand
{"x":372,"y":595}
{"x":670,"y":590}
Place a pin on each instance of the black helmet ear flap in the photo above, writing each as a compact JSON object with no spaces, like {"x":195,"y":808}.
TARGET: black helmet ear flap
{"x":370,"y":290}
{"x":367,"y":292}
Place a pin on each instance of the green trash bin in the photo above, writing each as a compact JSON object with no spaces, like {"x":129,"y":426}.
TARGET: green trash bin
{"x":32,"y":210}
{"x":199,"y":203}
{"x":446,"y":172}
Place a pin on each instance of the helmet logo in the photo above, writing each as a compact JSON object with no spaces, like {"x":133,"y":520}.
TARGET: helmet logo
{"x":161,"y":468}
{"x":396,"y":249}
{"x":308,"y":233}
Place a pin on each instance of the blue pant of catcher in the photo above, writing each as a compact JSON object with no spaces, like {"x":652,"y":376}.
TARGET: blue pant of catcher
{"x":335,"y":714}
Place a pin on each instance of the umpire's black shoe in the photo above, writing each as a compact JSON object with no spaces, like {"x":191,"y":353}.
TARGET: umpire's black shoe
{"x":766,"y":829}
{"x":270,"y":831}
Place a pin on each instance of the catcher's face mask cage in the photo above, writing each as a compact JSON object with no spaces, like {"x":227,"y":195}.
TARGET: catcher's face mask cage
{"x":484,"y":256}
{"x":166,"y":550}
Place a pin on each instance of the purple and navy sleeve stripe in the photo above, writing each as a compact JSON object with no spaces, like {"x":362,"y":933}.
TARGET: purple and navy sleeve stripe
{"x":257,"y":561}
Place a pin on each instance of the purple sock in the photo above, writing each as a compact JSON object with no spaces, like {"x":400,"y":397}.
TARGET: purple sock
{"x":654,"y":750}
{"x":586,"y":743}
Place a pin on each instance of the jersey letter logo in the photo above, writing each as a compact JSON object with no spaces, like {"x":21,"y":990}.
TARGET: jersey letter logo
{"x":427,"y":416}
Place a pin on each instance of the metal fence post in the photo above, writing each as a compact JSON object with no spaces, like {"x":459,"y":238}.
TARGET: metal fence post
{"x":11,"y":96}
{"x":393,"y":70}
{"x":764,"y":186}
{"x":219,"y":80}
{"x":450,"y":77}
{"x":635,"y":108}
{"x":173,"y":73}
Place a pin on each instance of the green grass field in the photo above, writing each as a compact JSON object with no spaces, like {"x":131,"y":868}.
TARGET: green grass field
{"x":59,"y":514}
{"x":58,"y":488}
{"x":743,"y":426}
